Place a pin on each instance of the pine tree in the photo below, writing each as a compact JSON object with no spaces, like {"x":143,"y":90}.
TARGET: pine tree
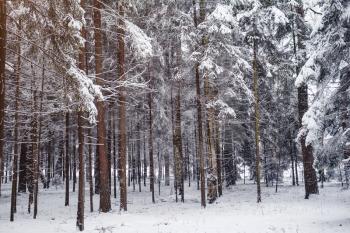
{"x":122,"y":144}
{"x":3,"y":35}
{"x":105,"y":201}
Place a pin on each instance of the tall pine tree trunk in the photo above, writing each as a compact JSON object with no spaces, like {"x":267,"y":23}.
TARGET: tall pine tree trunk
{"x":257,"y":122}
{"x":35,"y":154}
{"x":212,"y":161}
{"x":218,"y":158}
{"x":91,"y":185}
{"x":81,"y":192}
{"x":151,"y":160}
{"x":122,"y":143}
{"x":3,"y":34}
{"x":179,"y":167}
{"x":38,"y":155}
{"x":310,"y":177}
{"x":15,"y":156}
{"x":67,"y":158}
{"x":199,"y":110}
{"x":105,"y":201}
{"x":81,"y":187}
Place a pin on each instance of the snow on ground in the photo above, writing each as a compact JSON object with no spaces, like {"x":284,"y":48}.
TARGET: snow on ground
{"x":235,"y":212}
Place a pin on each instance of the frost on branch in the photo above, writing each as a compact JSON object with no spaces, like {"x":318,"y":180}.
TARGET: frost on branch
{"x":140,"y":42}
{"x":87,"y":91}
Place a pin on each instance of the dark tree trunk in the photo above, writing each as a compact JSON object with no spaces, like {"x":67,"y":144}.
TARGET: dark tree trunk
{"x":199,"y":111}
{"x":228,"y":158}
{"x":122,"y":108}
{"x":49,"y":161}
{"x":292,"y":161}
{"x":81,"y":192}
{"x":3,"y":34}
{"x":151,"y":166}
{"x":144,"y":160}
{"x":80,"y":120}
{"x":74,"y":162}
{"x":179,"y":167}
{"x":109,"y":145}
{"x":91,"y":185}
{"x":114,"y":156}
{"x":67,"y":158}
{"x":35,"y":152}
{"x":218,"y":154}
{"x":257,"y":123}
{"x":15,"y":156}
{"x":22,"y":176}
{"x":139,"y":155}
{"x":97,"y":171}
{"x":310,"y":179}
{"x":105,"y":201}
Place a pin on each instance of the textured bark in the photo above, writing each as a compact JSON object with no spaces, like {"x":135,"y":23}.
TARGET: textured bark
{"x":200,"y":139}
{"x":110,"y":145}
{"x":22,"y":176}
{"x":212,"y":161}
{"x":199,"y":113}
{"x":167,"y":170}
{"x":310,"y":178}
{"x":179,"y":167}
{"x":81,"y":192}
{"x":144,"y":160}
{"x":122,"y":108}
{"x":257,"y":120}
{"x":15,"y":156}
{"x":49,"y":161}
{"x":91,"y":185}
{"x":38,"y":138}
{"x":97,"y":171}
{"x":218,"y":159}
{"x":74,"y":161}
{"x":114,"y":156}
{"x":67,"y":158}
{"x":139,"y":155}
{"x":150,"y":141}
{"x":80,"y":120}
{"x":30,"y":174}
{"x":174,"y":145}
{"x":292,"y":159}
{"x":105,"y":201}
{"x":35,"y":152}
{"x":2,"y":82}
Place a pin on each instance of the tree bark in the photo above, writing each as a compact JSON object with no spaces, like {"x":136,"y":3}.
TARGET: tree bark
{"x":81,"y":192}
{"x":151,"y":165}
{"x":179,"y":167}
{"x":3,"y":34}
{"x":139,"y":154}
{"x":105,"y":201}
{"x":310,"y":178}
{"x":22,"y":176}
{"x":35,"y":152}
{"x":199,"y":112}
{"x":257,"y":119}
{"x":80,"y":120}
{"x":122,"y":107}
{"x":218,"y":159}
{"x":15,"y":156}
{"x":114,"y":156}
{"x":212,"y":160}
{"x":67,"y":158}
{"x":91,"y":185}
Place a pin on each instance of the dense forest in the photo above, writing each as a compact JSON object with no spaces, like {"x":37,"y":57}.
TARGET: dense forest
{"x":99,"y":97}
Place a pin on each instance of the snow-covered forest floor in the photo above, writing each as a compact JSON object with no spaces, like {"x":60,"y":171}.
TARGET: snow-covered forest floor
{"x":236,"y":212}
